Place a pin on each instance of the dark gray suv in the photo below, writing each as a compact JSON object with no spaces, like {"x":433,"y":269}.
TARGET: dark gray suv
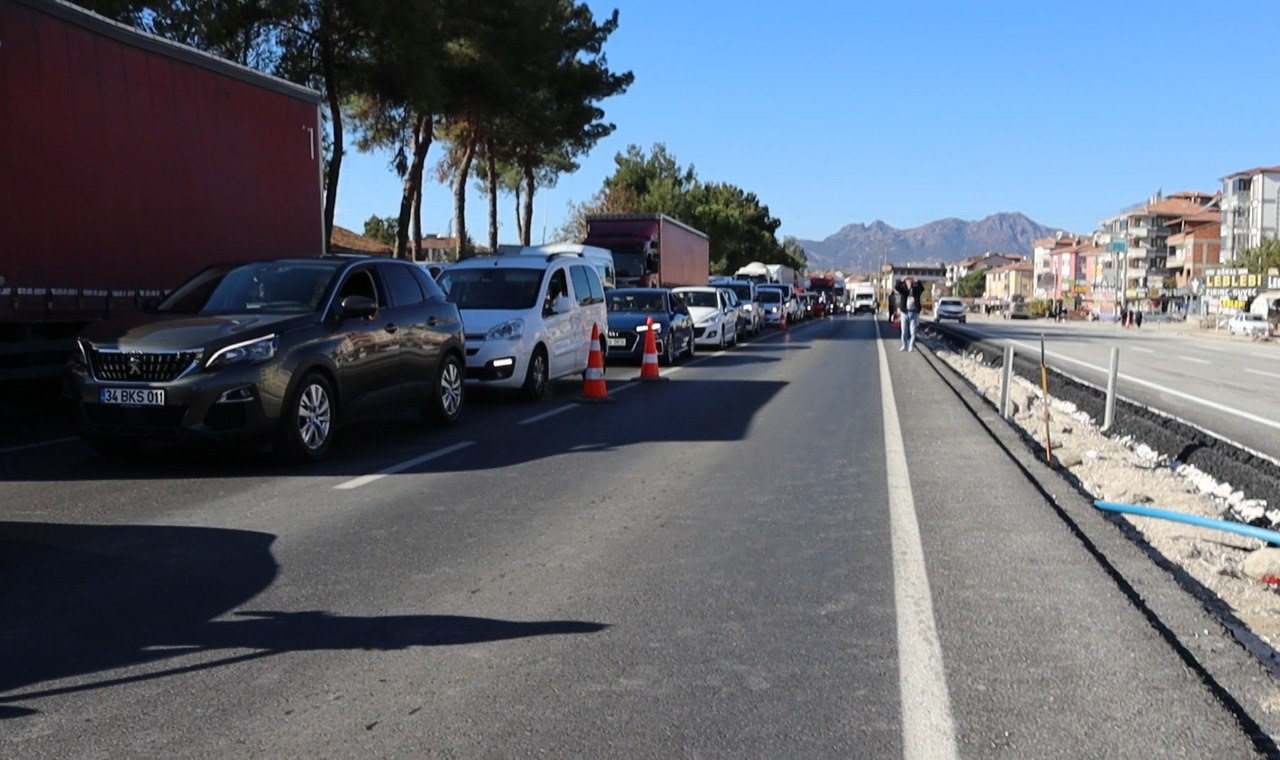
{"x":279,"y":351}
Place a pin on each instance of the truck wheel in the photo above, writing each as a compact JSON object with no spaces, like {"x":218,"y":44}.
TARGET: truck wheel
{"x":445,"y":404}
{"x":535,"y":379}
{"x":306,"y":423}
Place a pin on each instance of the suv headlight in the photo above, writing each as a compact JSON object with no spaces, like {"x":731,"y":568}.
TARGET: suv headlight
{"x":80,"y":356}
{"x":509,"y":330}
{"x":253,"y":351}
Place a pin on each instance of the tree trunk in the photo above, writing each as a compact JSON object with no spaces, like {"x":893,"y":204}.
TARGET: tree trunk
{"x":460,"y":195}
{"x":521,"y":232}
{"x":491,"y":167}
{"x":335,"y":117}
{"x":411,"y":191}
{"x":527,"y":209}
{"x":417,"y":223}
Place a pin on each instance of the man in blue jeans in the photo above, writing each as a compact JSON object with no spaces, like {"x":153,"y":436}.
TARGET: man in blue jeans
{"x":910,"y":293}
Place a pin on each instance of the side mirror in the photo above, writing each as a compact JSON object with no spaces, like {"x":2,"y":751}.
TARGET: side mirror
{"x":562,"y":305}
{"x":358,"y":307}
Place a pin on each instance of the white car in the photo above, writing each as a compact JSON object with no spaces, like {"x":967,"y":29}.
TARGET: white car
{"x":528,"y":319}
{"x":715,"y":319}
{"x":753,"y":315}
{"x":1249,"y":325}
{"x":948,"y":307}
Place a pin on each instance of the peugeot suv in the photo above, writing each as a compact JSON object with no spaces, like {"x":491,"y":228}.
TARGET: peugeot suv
{"x":280,"y":351}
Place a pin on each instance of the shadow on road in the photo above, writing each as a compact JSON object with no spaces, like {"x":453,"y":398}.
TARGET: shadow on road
{"x":81,"y":600}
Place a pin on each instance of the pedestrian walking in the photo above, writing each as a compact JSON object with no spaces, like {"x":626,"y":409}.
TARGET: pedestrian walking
{"x":910,"y":294}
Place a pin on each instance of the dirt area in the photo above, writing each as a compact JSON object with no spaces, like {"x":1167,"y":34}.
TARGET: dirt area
{"x":1243,"y":574}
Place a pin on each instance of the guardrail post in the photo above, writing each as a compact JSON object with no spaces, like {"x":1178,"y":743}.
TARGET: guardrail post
{"x":1110,"y":416}
{"x":1006,"y":380}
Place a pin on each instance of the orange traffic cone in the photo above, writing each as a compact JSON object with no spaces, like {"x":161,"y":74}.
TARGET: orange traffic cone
{"x":593,"y":388}
{"x":649,"y":367}
{"x":782,"y":322}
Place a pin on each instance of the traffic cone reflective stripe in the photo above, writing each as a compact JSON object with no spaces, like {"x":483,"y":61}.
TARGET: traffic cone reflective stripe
{"x":593,"y":387}
{"x":649,"y":367}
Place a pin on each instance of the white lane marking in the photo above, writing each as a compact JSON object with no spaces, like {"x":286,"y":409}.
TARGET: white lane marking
{"x":927,"y":729}
{"x":1156,"y":387}
{"x":544,"y":415}
{"x":1143,"y":350}
{"x":364,"y":480}
{"x":553,"y":412}
{"x":1262,"y":372}
{"x":24,"y":446}
{"x":1194,"y":359}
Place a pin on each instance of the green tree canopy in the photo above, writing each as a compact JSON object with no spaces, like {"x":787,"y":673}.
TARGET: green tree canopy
{"x":972,"y":285}
{"x":1260,"y":259}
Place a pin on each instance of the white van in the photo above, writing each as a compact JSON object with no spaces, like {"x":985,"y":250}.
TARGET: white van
{"x":600,"y":258}
{"x":527,"y":318}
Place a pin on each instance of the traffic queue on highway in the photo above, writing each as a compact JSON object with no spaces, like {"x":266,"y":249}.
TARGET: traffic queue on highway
{"x":280,"y":352}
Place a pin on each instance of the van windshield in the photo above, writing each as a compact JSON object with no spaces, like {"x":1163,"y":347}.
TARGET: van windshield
{"x":768,"y":295}
{"x":492,"y":288}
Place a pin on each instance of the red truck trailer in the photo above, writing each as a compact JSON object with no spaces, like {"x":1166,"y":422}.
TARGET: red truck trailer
{"x":652,"y":250}
{"x":126,"y":164}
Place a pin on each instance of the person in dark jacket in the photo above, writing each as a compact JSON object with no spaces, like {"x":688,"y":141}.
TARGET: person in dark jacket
{"x":910,"y":294}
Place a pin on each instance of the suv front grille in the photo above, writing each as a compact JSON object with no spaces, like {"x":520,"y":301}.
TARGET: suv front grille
{"x":142,"y":366}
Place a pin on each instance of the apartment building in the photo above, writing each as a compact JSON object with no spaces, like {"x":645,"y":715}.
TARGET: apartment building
{"x":1046,"y":257}
{"x":1250,"y":210}
{"x":957,"y":270}
{"x":1139,"y":238}
{"x":1009,"y":280}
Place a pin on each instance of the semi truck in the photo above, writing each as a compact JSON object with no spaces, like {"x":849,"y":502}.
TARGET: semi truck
{"x":651,"y":250}
{"x":777,"y":274}
{"x":127,"y":163}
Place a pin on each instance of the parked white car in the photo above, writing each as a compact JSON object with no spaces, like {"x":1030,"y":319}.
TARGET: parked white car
{"x":1249,"y":325}
{"x":715,"y":319}
{"x":527,"y":319}
{"x":753,"y":315}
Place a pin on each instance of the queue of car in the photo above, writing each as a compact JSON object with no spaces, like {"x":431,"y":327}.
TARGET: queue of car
{"x":281,"y":352}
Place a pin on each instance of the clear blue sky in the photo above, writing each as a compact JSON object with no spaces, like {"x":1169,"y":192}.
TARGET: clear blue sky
{"x":907,"y":112}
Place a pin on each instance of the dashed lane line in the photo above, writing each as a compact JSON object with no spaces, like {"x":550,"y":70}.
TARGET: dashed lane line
{"x":364,"y":480}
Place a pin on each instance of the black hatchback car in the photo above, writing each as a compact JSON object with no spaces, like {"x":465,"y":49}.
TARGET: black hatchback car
{"x":277,"y":351}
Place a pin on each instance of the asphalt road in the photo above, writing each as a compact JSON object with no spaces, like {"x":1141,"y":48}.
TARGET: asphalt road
{"x":1227,"y":386}
{"x":776,"y":553}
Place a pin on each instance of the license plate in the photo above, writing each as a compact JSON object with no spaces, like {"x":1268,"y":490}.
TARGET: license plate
{"x":617,"y":343}
{"x":132,"y":396}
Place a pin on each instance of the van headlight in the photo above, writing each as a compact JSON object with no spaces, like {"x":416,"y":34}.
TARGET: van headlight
{"x":510,"y":330}
{"x":251,"y":351}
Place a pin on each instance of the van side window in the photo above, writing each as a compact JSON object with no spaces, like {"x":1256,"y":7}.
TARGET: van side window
{"x":581,"y":276}
{"x":597,"y":287}
{"x":557,"y":285}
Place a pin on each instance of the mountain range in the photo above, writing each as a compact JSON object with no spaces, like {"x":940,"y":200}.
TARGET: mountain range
{"x":864,"y":247}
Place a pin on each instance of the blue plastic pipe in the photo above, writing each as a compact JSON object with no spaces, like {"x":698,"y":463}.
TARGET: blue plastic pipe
{"x":1270,"y":536}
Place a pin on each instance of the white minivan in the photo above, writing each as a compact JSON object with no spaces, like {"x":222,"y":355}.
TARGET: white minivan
{"x":527,"y":319}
